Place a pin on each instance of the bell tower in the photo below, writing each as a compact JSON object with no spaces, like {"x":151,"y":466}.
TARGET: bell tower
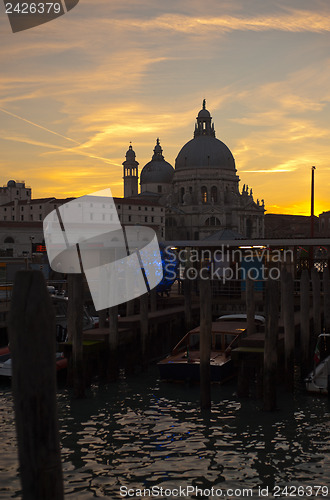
{"x":131,"y":175}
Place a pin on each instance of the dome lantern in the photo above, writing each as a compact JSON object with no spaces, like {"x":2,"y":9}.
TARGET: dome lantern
{"x":204,"y":125}
{"x":158,"y":151}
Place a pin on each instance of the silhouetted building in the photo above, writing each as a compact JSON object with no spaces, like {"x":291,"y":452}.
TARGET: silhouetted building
{"x":14,"y":190}
{"x":324,"y":224}
{"x":289,"y":226}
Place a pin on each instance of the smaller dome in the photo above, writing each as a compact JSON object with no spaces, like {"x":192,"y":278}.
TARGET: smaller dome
{"x":11,"y":184}
{"x":157,"y":170}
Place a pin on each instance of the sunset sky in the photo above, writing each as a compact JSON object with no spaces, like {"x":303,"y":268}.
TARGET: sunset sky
{"x":76,"y":91}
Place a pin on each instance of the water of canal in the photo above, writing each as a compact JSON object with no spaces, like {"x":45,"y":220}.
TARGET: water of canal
{"x":143,"y":438}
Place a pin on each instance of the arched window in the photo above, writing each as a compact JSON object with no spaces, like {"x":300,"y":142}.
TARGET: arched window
{"x":181,"y":194}
{"x":214,"y":194}
{"x":212,"y":221}
{"x":9,"y":239}
{"x":204,"y":194}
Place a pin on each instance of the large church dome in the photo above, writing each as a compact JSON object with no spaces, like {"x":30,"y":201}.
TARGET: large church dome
{"x":157,"y":170}
{"x":204,"y":150}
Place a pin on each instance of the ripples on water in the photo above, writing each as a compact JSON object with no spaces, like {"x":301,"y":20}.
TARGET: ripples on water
{"x":140,"y":432}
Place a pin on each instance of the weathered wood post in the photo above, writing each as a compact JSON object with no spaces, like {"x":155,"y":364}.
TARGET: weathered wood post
{"x":250,"y":306}
{"x":316,"y":287}
{"x":305,"y":341}
{"x":271,"y":341}
{"x":289,"y":331}
{"x":102,"y":318}
{"x":130,"y":307}
{"x":205,"y":342}
{"x":326,"y":298}
{"x":282,"y":295}
{"x":144,"y":326}
{"x":153,"y":300}
{"x":243,"y":379}
{"x":32,"y":343}
{"x":113,"y":343}
{"x":75,"y":332}
{"x":187,"y":289}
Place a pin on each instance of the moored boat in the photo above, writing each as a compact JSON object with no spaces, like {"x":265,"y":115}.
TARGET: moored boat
{"x":6,"y":362}
{"x":184,"y":361}
{"x":318,"y":381}
{"x":60,"y":304}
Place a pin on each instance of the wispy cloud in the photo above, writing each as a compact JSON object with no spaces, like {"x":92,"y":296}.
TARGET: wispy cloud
{"x":295,"y":21}
{"x":37,"y":125}
{"x":29,"y":141}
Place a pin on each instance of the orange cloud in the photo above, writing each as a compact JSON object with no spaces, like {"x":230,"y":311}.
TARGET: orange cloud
{"x":295,"y":21}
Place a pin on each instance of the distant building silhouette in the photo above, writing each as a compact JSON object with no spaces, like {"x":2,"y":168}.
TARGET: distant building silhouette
{"x":324,"y":224}
{"x":14,"y":190}
{"x":289,"y":226}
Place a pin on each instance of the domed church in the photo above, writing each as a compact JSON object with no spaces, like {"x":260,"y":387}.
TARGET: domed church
{"x":201,"y":194}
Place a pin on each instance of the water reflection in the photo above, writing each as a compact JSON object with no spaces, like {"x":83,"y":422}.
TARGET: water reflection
{"x":141,"y":433}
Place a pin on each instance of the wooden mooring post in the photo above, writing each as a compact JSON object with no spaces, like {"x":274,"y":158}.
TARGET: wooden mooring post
{"x":205,"y":342}
{"x":326,"y":298}
{"x":187,"y":292}
{"x":153,"y":300}
{"x":250,"y":306}
{"x":130,"y":306}
{"x":75,"y":332}
{"x":144,"y":326}
{"x":113,"y":344}
{"x":282,"y":293}
{"x":32,"y":344}
{"x":287,"y":289}
{"x":243,"y":379}
{"x":305,"y":341}
{"x":316,"y":287}
{"x":102,"y":318}
{"x":271,"y":343}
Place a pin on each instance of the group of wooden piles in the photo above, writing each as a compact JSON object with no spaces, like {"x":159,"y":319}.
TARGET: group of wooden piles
{"x":32,"y":339}
{"x":264,"y":357}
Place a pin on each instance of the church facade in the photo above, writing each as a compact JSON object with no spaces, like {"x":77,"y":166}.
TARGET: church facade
{"x":201,"y":194}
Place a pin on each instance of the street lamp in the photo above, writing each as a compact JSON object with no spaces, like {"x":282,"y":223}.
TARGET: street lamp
{"x":311,"y":249}
{"x":312,"y":203}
